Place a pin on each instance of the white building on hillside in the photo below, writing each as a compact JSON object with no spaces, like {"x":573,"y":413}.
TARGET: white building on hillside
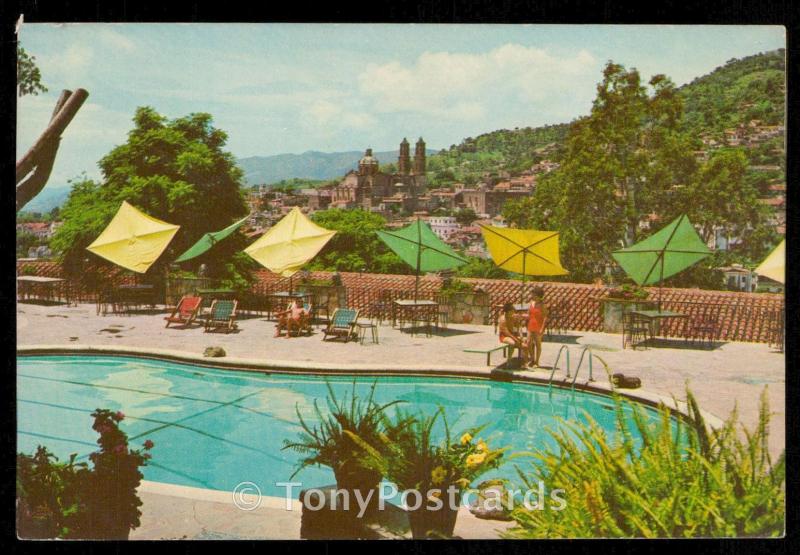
{"x":443,"y":226}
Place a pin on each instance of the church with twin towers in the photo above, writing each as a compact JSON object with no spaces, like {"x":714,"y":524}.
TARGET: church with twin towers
{"x":370,"y":188}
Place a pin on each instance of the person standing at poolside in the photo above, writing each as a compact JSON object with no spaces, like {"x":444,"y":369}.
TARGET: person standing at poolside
{"x":509,"y":331}
{"x":537,"y":319}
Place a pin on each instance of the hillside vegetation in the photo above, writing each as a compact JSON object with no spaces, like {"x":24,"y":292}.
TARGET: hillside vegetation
{"x":740,"y":91}
{"x":512,"y":151}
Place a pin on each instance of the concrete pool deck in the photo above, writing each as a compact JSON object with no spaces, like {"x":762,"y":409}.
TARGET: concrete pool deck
{"x":171,"y":512}
{"x":731,"y":374}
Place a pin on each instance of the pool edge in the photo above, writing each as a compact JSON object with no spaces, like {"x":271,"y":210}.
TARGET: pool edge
{"x":315,"y":368}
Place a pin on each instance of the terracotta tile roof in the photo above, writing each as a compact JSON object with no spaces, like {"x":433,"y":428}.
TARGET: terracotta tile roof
{"x":741,"y":316}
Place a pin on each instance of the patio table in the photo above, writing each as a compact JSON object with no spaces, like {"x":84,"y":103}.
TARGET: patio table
{"x":128,"y":296}
{"x":419,"y":311}
{"x":39,"y":287}
{"x":653,"y":316}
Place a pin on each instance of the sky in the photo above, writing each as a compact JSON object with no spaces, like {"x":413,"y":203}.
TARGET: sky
{"x":290,"y":88}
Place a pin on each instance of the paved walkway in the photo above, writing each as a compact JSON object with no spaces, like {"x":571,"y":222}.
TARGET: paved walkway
{"x":171,"y":512}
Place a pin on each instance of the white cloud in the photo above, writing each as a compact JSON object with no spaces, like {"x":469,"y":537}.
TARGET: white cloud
{"x":68,"y":66}
{"x":459,"y":85}
{"x":116,"y":40}
{"x":325,"y":116}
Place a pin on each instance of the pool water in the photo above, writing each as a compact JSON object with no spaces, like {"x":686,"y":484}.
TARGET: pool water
{"x":218,"y":428}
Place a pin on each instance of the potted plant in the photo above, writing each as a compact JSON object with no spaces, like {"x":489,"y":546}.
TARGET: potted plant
{"x":330,"y":444}
{"x":615,"y":301}
{"x":436,"y":472}
{"x":73,"y":501}
{"x":109,"y":488}
{"x":46,"y":494}
{"x":627,"y":292}
{"x":467,"y":303}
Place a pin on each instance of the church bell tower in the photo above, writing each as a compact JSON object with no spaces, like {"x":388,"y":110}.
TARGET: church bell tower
{"x":419,"y":158}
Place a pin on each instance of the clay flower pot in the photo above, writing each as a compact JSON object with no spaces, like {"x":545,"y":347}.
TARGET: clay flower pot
{"x":433,"y":523}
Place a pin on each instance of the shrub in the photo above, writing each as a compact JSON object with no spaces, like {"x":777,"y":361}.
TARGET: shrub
{"x":69,"y":500}
{"x":684,"y":480}
{"x":409,"y":456}
{"x":28,"y":270}
{"x":454,"y":286}
{"x":328,"y":443}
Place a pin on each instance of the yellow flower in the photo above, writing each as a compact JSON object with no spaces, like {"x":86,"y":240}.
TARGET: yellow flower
{"x":482,"y":447}
{"x":463,"y":482}
{"x":476,"y":459}
{"x":466,"y":438}
{"x":438,"y":475}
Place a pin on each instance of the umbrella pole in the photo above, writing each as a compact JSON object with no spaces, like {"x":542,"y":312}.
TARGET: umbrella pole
{"x":660,"y":281}
{"x":419,"y":260}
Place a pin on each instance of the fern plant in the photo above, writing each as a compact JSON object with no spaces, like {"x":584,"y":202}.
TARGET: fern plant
{"x":410,"y":456}
{"x":683,"y":480}
{"x":328,"y":443}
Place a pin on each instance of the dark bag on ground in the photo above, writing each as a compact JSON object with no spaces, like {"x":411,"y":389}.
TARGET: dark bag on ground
{"x":626,"y":382}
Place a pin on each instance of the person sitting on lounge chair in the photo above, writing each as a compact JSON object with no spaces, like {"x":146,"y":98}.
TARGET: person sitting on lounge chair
{"x":295,"y":317}
{"x":509,"y":331}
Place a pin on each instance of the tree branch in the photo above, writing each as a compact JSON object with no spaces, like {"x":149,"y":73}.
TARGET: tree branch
{"x":41,"y":155}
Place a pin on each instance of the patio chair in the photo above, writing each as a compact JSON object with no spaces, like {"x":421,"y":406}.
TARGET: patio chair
{"x":705,"y":326}
{"x":776,"y":329}
{"x":554,"y":324}
{"x":307,"y":319}
{"x":635,"y":331}
{"x":185,"y":311}
{"x":381,"y":309}
{"x":342,"y":324}
{"x":303,"y":325}
{"x":221,"y":316}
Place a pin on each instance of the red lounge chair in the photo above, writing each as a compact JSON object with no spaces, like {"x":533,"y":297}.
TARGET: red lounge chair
{"x":185,"y":312}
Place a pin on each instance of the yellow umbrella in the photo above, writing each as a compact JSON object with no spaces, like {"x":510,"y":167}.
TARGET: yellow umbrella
{"x":774,"y":266}
{"x":289,"y":244}
{"x":524,"y":251}
{"x":133,"y":239}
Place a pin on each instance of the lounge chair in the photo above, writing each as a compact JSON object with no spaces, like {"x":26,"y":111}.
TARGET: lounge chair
{"x":222,"y":315}
{"x":342,"y":324}
{"x":285,"y":322}
{"x":185,"y":311}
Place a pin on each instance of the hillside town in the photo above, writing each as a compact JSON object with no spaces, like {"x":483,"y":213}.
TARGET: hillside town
{"x":456,"y":212}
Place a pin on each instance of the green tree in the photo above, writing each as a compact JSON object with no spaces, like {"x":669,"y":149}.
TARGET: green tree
{"x":720,"y":196}
{"x":29,"y":78}
{"x":355,"y":247}
{"x":174,"y":170}
{"x":481,"y":268}
{"x":26,"y":240}
{"x":466,"y":216}
{"x":620,"y":164}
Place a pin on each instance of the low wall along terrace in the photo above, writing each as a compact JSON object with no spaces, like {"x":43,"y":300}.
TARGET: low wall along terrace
{"x":740,"y":316}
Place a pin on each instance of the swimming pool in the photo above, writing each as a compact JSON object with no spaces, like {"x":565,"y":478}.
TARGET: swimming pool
{"x":217,"y":428}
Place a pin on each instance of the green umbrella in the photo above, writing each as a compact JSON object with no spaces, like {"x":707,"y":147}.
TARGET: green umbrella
{"x":209,"y":240}
{"x":663,"y":254}
{"x":420,"y":248}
